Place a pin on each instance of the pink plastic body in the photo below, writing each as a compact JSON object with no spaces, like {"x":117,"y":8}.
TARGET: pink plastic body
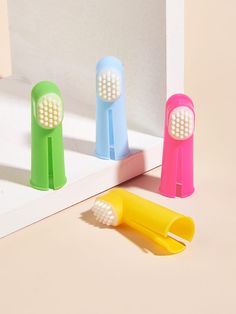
{"x":177,"y":162}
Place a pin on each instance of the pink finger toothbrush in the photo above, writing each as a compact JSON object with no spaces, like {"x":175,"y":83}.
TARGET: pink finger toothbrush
{"x":177,"y":163}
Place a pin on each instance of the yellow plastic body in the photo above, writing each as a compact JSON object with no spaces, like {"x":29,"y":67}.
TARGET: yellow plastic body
{"x":152,"y":220}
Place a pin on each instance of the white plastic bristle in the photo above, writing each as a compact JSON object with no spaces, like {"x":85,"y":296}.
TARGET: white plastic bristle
{"x":181,"y":123}
{"x":108,"y":86}
{"x":105,"y":213}
{"x":49,"y":111}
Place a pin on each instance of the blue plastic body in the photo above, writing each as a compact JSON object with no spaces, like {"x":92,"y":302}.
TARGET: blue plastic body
{"x":111,"y":125}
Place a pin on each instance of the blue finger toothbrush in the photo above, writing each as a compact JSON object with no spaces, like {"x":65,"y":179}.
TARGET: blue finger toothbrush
{"x":111,"y":126}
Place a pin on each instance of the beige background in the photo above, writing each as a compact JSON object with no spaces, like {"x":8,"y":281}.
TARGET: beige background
{"x":67,"y":265}
{"x":210,"y":79}
{"x":5,"y":62}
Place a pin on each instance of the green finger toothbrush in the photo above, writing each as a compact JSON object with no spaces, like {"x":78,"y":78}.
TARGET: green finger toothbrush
{"x":47,"y":149}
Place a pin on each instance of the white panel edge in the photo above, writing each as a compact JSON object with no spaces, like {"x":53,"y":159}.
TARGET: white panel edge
{"x":66,"y":197}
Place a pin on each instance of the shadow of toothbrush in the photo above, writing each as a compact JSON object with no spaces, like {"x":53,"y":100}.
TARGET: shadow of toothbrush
{"x":79,"y":146}
{"x":145,"y":182}
{"x":146,"y":245}
{"x":72,"y":144}
{"x":88,"y":147}
{"x":15,"y":175}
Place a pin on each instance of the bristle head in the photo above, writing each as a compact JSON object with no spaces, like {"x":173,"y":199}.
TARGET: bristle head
{"x":109,"y":85}
{"x":105,"y":213}
{"x":181,"y":123}
{"x":49,"y":111}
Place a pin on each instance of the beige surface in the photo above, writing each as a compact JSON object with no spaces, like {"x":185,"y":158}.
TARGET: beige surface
{"x":5,"y":62}
{"x":67,"y":265}
{"x":210,"y":79}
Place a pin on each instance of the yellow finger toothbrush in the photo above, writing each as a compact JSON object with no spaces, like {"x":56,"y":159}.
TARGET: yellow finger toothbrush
{"x":152,"y":220}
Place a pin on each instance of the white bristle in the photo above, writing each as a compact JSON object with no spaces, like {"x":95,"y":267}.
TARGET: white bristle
{"x":109,"y":89}
{"x":104,"y":213}
{"x":181,"y":123}
{"x":49,"y":111}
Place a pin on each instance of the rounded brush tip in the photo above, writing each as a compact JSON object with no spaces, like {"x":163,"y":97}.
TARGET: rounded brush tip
{"x":104,"y":213}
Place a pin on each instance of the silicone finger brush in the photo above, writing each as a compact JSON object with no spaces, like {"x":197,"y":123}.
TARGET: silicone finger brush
{"x":152,"y":220}
{"x":47,"y":156}
{"x":177,"y":162}
{"x":111,"y":127}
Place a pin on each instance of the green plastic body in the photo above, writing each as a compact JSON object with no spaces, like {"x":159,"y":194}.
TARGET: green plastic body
{"x":47,"y":148}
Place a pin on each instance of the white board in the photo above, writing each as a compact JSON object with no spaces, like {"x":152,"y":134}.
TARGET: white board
{"x":61,"y":41}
